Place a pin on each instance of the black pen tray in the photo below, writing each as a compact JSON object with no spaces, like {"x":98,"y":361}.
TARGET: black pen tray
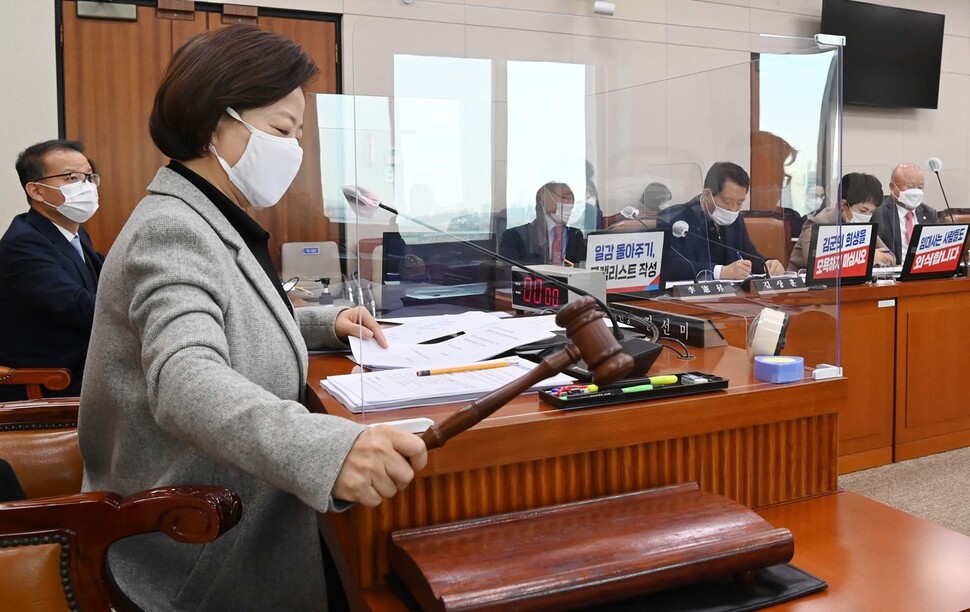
{"x":572,"y":402}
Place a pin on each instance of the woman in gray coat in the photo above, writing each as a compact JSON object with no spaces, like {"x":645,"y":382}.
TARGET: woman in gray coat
{"x":197,"y":364}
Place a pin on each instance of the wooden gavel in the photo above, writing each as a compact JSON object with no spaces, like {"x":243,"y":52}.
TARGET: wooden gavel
{"x":590,"y":340}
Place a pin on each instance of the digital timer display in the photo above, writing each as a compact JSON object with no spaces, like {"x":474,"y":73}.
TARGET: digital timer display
{"x":530,"y":291}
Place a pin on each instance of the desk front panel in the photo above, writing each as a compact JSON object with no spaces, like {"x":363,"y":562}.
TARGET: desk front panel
{"x":757,"y":443}
{"x":932,"y":388}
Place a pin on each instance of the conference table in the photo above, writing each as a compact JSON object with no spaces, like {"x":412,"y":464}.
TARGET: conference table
{"x":774,"y":448}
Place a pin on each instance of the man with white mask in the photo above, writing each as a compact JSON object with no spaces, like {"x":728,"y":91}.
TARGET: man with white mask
{"x":547,"y":239}
{"x":717,"y":242}
{"x":861,"y":194}
{"x":903,"y":209}
{"x":48,"y":267}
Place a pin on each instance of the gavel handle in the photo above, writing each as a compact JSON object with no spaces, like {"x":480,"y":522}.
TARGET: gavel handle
{"x":473,"y":412}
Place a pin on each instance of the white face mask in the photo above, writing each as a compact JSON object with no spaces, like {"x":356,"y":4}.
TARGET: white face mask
{"x":562,"y":214}
{"x":723,"y":216}
{"x":911,"y":198}
{"x":818,"y":201}
{"x":665,"y":205}
{"x":860,"y":218}
{"x":267,"y":166}
{"x":80,"y":201}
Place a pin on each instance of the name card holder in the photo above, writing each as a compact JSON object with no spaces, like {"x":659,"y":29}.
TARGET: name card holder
{"x":772,"y":286}
{"x":692,"y":331}
{"x":704,"y":291}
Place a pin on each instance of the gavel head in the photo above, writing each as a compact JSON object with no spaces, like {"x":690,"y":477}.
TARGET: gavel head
{"x":600,"y":350}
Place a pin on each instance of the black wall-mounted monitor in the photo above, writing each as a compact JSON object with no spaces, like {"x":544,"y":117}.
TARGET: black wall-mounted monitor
{"x":892,"y":55}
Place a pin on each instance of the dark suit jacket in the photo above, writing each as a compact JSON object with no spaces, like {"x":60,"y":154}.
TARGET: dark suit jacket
{"x":725,"y":242}
{"x":46,"y":300}
{"x":887,"y":220}
{"x":529,"y":243}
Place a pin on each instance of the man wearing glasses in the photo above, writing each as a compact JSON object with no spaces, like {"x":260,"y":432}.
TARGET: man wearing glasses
{"x":48,"y":267}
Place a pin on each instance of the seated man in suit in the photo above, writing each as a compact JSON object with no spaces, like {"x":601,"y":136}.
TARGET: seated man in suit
{"x":48,"y":267}
{"x":861,"y":194}
{"x":717,"y":239}
{"x":903,"y":209}
{"x":547,"y":239}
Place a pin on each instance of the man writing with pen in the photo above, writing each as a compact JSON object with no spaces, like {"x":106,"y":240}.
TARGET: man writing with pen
{"x":717,"y":239}
{"x":861,"y":194}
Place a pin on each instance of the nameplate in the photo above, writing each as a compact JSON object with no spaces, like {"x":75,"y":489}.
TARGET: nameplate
{"x":693,"y":331}
{"x":771,"y":286}
{"x":707,"y":290}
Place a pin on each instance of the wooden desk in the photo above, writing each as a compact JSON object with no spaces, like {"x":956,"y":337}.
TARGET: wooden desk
{"x":758,"y":443}
{"x":903,"y":348}
{"x":874,"y":557}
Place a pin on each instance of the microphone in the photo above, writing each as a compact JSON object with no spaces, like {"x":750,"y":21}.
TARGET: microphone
{"x":642,"y":351}
{"x":682,"y":228}
{"x":630,"y":212}
{"x":936,"y":164}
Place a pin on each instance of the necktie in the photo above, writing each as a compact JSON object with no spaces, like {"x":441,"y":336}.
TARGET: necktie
{"x":556,"y":256}
{"x":76,"y":243}
{"x":910,"y":221}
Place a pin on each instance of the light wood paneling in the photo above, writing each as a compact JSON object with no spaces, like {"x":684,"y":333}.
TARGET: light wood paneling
{"x":112,"y":70}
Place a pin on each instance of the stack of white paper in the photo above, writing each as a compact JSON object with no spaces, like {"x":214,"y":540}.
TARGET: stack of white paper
{"x":403,"y":388}
{"x":468,"y":337}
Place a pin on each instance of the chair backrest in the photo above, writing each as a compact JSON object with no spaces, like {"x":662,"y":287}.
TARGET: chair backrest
{"x":770,"y":232}
{"x":39,"y":440}
{"x":54,"y":379}
{"x":960,"y":215}
{"x":309,"y":260}
{"x":54,"y":546}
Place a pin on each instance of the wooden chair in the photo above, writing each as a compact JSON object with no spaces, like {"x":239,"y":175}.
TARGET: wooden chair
{"x":54,"y":545}
{"x":960,"y":215}
{"x":53,"y":379}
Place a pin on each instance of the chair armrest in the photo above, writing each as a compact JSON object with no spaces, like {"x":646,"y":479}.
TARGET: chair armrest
{"x":54,"y":379}
{"x":86,"y":524}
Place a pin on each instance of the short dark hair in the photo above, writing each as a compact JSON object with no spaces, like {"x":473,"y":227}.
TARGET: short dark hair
{"x":858,"y":188}
{"x":239,"y":66}
{"x":654,"y":195}
{"x":722,"y":171}
{"x":30,"y":162}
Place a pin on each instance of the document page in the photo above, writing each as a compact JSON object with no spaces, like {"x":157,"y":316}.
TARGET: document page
{"x":402,"y":388}
{"x":471,"y":345}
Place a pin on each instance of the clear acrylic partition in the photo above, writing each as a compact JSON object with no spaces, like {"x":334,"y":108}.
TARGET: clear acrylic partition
{"x":458,"y":144}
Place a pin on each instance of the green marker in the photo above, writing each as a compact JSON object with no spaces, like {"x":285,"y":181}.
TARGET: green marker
{"x":667,"y":379}
{"x":636,"y":388}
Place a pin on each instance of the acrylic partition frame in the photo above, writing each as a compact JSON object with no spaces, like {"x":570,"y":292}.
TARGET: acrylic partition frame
{"x":461,"y":144}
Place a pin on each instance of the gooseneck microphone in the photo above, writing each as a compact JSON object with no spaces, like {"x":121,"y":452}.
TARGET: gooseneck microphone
{"x":936,"y":164}
{"x":682,"y":228}
{"x":629,"y":212}
{"x":641,"y":350}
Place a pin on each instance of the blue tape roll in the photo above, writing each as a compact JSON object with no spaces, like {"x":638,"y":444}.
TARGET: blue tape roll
{"x":779,"y":369}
